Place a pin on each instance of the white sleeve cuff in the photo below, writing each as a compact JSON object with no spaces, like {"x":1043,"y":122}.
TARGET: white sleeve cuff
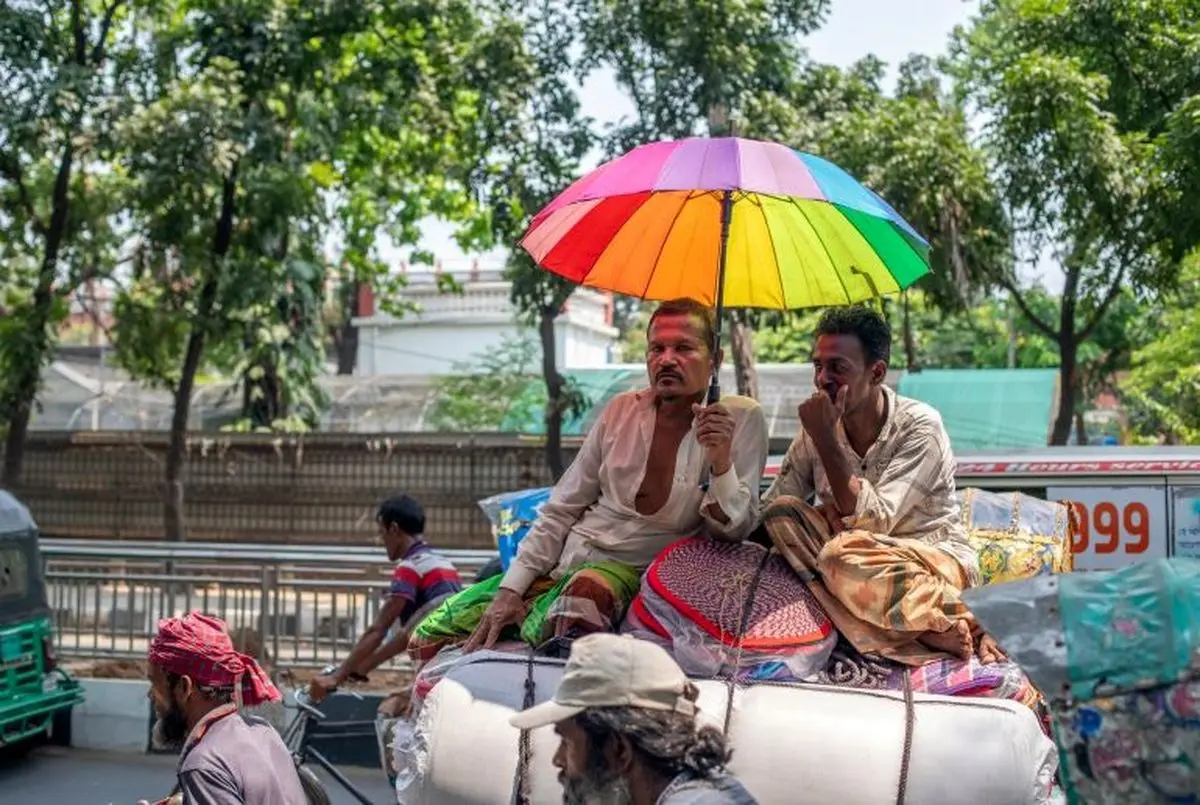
{"x":726,"y":491}
{"x":518,"y":579}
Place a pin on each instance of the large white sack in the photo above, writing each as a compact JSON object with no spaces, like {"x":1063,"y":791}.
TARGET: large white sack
{"x":792,"y":745}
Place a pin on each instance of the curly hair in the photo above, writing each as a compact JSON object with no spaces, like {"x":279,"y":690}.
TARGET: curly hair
{"x":866,"y":324}
{"x":668,"y":742}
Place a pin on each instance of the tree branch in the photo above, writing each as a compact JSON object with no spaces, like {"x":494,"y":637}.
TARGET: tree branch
{"x":105,"y":24}
{"x":1105,"y":303}
{"x":79,"y":33}
{"x":1015,"y":292}
{"x":10,"y":168}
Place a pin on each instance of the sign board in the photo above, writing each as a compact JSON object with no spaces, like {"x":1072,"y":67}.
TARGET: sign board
{"x":1117,"y":524}
{"x":1187,"y":521}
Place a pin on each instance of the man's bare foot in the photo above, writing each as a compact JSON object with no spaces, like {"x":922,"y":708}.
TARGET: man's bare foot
{"x":989,"y":650}
{"x":955,"y":641}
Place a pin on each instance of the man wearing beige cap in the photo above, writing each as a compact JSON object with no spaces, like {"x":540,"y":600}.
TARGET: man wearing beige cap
{"x":626,"y":714}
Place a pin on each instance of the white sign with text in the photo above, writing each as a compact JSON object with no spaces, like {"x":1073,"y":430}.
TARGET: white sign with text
{"x":1118,"y":525}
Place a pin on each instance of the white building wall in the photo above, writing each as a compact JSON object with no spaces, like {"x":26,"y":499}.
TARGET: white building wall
{"x":455,"y":328}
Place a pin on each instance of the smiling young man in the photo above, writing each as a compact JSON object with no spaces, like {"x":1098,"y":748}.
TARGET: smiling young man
{"x":885,"y":549}
{"x":656,"y":466}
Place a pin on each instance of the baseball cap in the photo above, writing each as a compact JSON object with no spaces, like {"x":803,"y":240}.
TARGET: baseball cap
{"x":608,"y":670}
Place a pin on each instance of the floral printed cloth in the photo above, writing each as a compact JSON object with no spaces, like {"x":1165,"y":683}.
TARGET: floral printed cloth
{"x":1017,"y":536}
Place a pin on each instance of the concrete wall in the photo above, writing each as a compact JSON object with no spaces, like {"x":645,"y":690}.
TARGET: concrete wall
{"x":113,"y":717}
{"x":116,"y":716}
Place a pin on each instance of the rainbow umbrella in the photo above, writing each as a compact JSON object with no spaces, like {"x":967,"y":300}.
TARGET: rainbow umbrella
{"x":728,"y":222}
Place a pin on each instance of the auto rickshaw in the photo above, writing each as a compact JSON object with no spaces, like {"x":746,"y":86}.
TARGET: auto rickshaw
{"x":36,"y":695}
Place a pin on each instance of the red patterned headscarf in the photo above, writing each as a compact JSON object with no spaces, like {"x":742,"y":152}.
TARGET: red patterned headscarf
{"x":200,"y":647}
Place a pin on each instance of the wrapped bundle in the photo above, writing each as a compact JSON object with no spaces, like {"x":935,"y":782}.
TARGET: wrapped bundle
{"x":693,"y":601}
{"x":1117,"y":655}
{"x":1018,"y":536}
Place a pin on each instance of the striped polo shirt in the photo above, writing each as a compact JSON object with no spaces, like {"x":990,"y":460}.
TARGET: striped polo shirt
{"x":422,"y":575}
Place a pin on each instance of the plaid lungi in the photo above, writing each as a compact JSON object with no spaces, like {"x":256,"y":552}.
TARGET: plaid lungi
{"x":590,"y":598}
{"x":882,"y":593}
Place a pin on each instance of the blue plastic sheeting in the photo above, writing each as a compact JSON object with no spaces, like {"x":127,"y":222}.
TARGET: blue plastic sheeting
{"x":987,"y":409}
{"x":511,"y":515}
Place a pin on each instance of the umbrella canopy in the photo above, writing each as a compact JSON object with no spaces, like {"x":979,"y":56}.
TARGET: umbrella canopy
{"x":786,"y":229}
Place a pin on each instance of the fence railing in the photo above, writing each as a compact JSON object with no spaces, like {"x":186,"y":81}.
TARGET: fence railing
{"x":304,"y":606}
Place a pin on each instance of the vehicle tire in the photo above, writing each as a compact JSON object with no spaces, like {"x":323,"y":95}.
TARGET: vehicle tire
{"x":314,"y":792}
{"x":60,"y":728}
{"x":492,"y":568}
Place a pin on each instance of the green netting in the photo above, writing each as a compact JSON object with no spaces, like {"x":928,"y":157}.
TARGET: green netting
{"x":598,"y":385}
{"x":987,"y":409}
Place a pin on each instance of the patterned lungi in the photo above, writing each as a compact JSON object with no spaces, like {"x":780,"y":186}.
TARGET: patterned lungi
{"x":882,"y":593}
{"x":590,"y":598}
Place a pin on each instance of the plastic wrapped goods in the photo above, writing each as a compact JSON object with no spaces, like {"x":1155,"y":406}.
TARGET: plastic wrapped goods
{"x":1018,"y":536}
{"x":1117,"y":655}
{"x":791,"y":744}
{"x":512,"y":514}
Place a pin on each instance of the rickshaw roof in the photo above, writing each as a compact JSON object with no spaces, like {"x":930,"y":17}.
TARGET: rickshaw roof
{"x":15,"y":519}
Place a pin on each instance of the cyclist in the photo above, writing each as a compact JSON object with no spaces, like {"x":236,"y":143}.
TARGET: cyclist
{"x":422,"y":579}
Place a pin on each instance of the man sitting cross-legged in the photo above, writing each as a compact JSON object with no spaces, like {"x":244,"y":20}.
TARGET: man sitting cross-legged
{"x":885,"y":551}
{"x":637,"y":485}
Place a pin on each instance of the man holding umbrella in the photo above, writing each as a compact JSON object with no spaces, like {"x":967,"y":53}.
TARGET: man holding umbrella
{"x":657,"y":466}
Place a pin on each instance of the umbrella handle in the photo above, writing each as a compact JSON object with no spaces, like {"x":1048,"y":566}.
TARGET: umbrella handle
{"x":714,"y":390}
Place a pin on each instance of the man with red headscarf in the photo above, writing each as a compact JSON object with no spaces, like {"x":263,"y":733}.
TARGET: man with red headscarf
{"x":198,"y":683}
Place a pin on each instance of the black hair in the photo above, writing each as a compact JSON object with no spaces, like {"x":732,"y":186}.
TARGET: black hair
{"x":864,"y":323}
{"x":404,"y":512}
{"x":214,"y":693}
{"x":667,"y":742}
{"x":689,"y":307}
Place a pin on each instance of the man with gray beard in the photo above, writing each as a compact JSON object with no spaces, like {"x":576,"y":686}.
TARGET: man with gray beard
{"x":626,"y":716}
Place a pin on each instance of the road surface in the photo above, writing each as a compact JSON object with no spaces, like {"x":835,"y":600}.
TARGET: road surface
{"x":49,"y":776}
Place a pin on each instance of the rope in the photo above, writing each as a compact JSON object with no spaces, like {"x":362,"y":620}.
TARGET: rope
{"x":747,"y":610}
{"x":910,"y":718}
{"x":524,"y":748}
{"x":848,"y":668}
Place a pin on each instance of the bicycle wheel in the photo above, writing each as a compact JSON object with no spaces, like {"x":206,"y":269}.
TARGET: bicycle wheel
{"x":314,"y":792}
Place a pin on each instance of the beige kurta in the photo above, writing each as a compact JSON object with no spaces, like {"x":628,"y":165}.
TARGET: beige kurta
{"x":907,"y":481}
{"x":591,"y":517}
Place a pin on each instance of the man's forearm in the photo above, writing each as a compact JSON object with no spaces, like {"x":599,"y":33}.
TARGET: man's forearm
{"x":387,"y":651}
{"x":366,"y":647}
{"x":838,"y":472}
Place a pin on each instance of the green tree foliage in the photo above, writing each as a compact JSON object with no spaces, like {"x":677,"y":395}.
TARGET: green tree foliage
{"x":62,"y":69}
{"x":256,"y":129}
{"x":1161,"y":394}
{"x":533,"y":157}
{"x":914,"y":148}
{"x":1086,"y":108}
{"x":479,"y":394}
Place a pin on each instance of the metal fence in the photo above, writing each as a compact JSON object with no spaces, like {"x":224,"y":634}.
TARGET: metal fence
{"x":305,"y":606}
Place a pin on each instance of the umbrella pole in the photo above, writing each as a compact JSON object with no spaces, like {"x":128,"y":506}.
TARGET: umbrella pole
{"x":714,"y":387}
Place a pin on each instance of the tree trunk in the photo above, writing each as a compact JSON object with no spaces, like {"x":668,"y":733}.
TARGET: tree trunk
{"x":555,"y":403}
{"x":910,"y":342}
{"x":262,"y":398}
{"x":346,"y":337}
{"x":1081,"y":433}
{"x":30,"y":372}
{"x":741,"y":344}
{"x":174,"y":521}
{"x":29,"y":375}
{"x":1068,"y":354}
